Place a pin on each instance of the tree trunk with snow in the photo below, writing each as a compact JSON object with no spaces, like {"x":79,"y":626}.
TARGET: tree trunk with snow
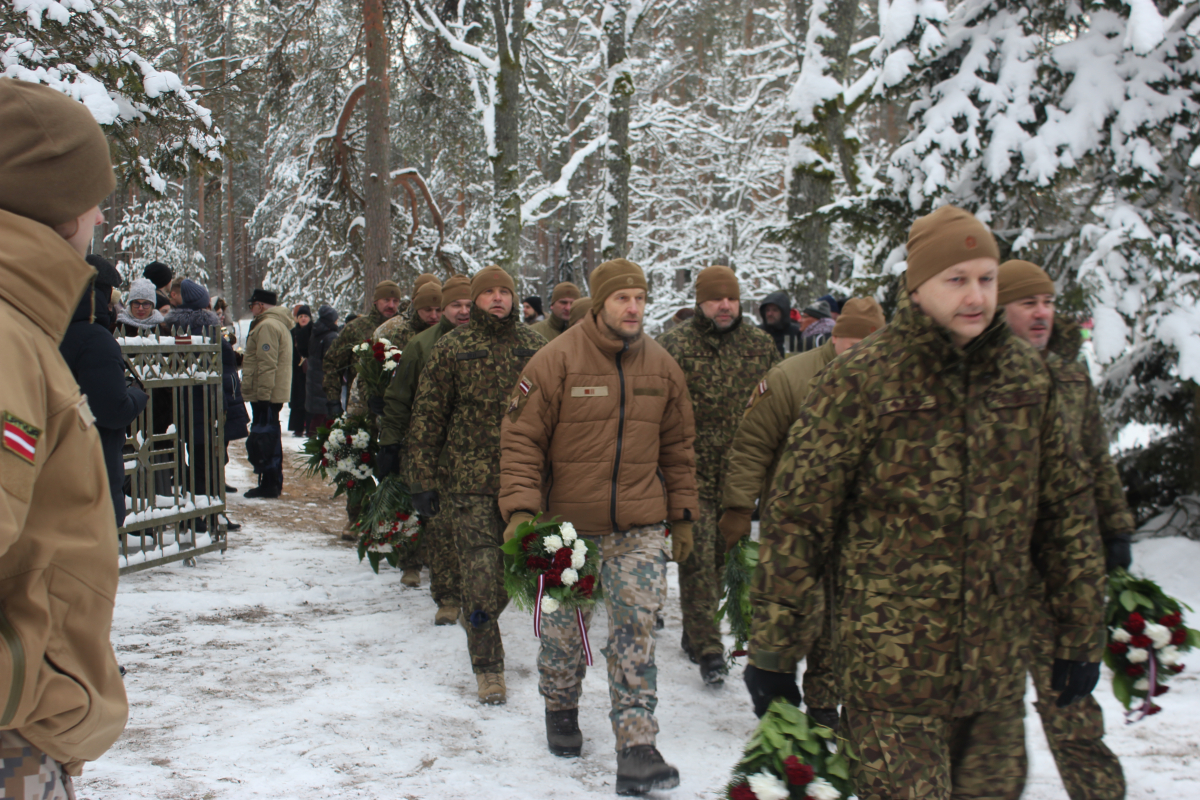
{"x":617,"y":159}
{"x":377,"y":249}
{"x":505,"y":239}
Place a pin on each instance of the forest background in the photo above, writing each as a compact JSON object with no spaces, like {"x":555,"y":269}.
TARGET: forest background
{"x":318,"y":146}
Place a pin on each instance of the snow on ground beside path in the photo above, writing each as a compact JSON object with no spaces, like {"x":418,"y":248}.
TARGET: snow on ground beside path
{"x":286,"y":669}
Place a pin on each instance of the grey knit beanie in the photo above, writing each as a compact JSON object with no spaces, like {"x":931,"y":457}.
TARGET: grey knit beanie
{"x":142,"y":289}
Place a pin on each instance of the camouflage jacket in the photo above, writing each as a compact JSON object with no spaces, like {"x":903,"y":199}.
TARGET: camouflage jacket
{"x":340,"y":359}
{"x":1081,"y":409}
{"x":721,"y":369}
{"x":400,"y":329}
{"x":461,"y":398}
{"x":398,"y":400}
{"x":773,"y":405}
{"x":921,"y":476}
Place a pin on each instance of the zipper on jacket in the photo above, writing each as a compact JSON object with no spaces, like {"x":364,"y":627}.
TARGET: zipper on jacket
{"x":620,"y":439}
{"x":17,"y":652}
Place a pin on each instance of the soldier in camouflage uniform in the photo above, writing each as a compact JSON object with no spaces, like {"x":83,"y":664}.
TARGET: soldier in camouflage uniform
{"x":456,"y":417}
{"x":721,"y":359}
{"x":774,"y":404}
{"x":559,"y":317}
{"x":930,"y":463}
{"x":1088,"y":768}
{"x":339,"y":358}
{"x":445,"y":582}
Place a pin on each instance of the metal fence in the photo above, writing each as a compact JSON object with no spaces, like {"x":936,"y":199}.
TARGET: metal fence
{"x":175,"y":451}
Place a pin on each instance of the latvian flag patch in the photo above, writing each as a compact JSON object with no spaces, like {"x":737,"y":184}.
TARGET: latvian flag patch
{"x":20,"y":437}
{"x":524,"y":386}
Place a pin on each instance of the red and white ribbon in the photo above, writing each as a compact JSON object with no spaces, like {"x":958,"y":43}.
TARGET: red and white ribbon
{"x":537,"y":607}
{"x":1148,"y":706}
{"x":583,"y":637}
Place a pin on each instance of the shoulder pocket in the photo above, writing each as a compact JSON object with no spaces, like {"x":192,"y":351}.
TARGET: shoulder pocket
{"x":470,"y":355}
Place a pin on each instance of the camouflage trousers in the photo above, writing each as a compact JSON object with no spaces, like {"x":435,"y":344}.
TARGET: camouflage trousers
{"x":701,"y":582}
{"x":27,"y":773}
{"x":911,"y":757}
{"x":478,"y":532}
{"x":445,"y":578}
{"x":633,"y":574}
{"x":1089,"y":770}
{"x":820,"y":682}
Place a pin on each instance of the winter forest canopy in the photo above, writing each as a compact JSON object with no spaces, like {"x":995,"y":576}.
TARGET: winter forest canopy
{"x":317,"y":146}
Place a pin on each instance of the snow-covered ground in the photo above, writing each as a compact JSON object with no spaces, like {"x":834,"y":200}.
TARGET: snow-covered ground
{"x":287,"y":669}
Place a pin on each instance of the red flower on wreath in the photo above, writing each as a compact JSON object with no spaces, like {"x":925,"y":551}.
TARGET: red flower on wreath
{"x":528,"y":541}
{"x":1176,"y":668}
{"x":587,"y":585}
{"x":562,"y":558}
{"x":350,"y":484}
{"x":1136,"y":623}
{"x":1118,"y":648}
{"x":1171,"y":620}
{"x":366,"y":458}
{"x":554,"y":577}
{"x":1141,"y":640}
{"x":742,"y":792}
{"x":324,"y":462}
{"x":1135,"y":670}
{"x":1179,"y":636}
{"x":538,"y":563}
{"x":798,"y":773}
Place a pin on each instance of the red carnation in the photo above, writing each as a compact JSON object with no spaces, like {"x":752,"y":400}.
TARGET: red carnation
{"x":323,"y":451}
{"x":1179,"y":636}
{"x":1154,"y":709}
{"x":1176,"y":668}
{"x":413,"y":538}
{"x":324,"y":462}
{"x":366,"y":458}
{"x":1136,"y":623}
{"x":349,"y":441}
{"x":538,"y":563}
{"x":587,"y":585}
{"x":1118,"y":648}
{"x":377,"y":347}
{"x":1171,"y":620}
{"x":528,"y":541}
{"x":1160,"y":689}
{"x":742,"y":792}
{"x":738,"y":653}
{"x":400,"y":515}
{"x":396,"y":358}
{"x":350,"y":484}
{"x":1135,"y":670}
{"x":562,"y":558}
{"x":798,"y":773}
{"x":1141,"y":640}
{"x":554,"y":577}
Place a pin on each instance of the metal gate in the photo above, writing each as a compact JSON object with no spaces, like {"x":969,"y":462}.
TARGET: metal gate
{"x":175,"y":451}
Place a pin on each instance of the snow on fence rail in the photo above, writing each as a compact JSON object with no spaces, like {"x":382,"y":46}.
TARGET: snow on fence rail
{"x":175,"y":451}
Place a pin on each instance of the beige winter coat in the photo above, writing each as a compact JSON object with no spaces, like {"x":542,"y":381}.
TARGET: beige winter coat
{"x":60,"y":687}
{"x":600,"y":433}
{"x":267,"y":368}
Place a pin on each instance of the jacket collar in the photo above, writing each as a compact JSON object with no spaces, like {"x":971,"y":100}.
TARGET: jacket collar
{"x":705,"y":327}
{"x":921,"y":334}
{"x":606,"y":344}
{"x":40,"y":274}
{"x":490,"y":326}
{"x":556,"y":322}
{"x":1066,"y":339}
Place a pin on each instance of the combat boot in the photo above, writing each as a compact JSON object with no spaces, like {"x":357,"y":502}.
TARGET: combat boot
{"x":641,"y":769}
{"x":685,"y":642}
{"x":713,"y":669}
{"x":562,"y":732}
{"x":492,"y":691}
{"x":411,"y":578}
{"x":446,"y":615}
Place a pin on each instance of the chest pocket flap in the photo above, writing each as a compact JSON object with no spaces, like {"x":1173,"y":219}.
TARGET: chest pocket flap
{"x":1015,"y":399}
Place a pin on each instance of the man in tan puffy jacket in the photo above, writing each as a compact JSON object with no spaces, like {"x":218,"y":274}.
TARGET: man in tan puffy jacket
{"x":267,"y":385}
{"x":599,"y":432}
{"x":61,"y":698}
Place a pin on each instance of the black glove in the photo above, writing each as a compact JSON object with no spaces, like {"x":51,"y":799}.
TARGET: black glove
{"x":1073,"y":679}
{"x":387,"y":460}
{"x":335,"y":409}
{"x":1117,"y":552}
{"x":375,"y":404}
{"x":765,"y":686}
{"x":427,"y":504}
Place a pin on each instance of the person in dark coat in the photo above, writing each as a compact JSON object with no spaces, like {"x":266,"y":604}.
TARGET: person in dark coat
{"x":776,"y":313}
{"x":99,"y":368}
{"x":321,"y":337}
{"x":297,"y":415}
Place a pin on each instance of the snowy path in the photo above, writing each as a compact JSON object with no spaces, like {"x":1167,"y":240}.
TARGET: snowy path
{"x":286,"y":669}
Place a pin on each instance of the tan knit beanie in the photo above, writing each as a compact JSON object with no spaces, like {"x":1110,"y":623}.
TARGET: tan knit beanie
{"x":428,"y":296}
{"x":716,"y":282}
{"x":489,"y":278}
{"x":564,"y":290}
{"x":458,"y":287}
{"x":423,"y":279}
{"x":1021,"y":279}
{"x":579,"y":309}
{"x":54,"y":161}
{"x":387,"y":289}
{"x":860,"y":317}
{"x":944,"y":238}
{"x":612,"y":275}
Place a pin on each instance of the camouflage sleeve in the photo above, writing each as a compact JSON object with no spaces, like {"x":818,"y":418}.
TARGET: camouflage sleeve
{"x":676,"y":450}
{"x":337,"y":359}
{"x":525,"y":430}
{"x":432,"y":406}
{"x":399,"y":397}
{"x":1112,"y":510}
{"x":764,"y":426}
{"x":1067,"y":543}
{"x":816,"y":473}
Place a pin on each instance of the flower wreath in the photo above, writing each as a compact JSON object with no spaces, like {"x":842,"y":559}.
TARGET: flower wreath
{"x":376,"y":364}
{"x":388,"y":527}
{"x":343,"y":454}
{"x":788,"y":758}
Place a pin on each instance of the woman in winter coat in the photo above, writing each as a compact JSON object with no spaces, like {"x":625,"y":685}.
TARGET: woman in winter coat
{"x":324,"y":331}
{"x":99,"y":368}
{"x":297,"y":402}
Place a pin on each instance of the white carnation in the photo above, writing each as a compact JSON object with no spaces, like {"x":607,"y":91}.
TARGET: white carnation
{"x":552,"y":543}
{"x":821,"y":789}
{"x":1159,"y":634}
{"x":578,"y":559}
{"x":767,"y":787}
{"x":549,"y":604}
{"x":381,"y":548}
{"x":385,"y":343}
{"x":362,"y":439}
{"x":1141,"y":685}
{"x":569,"y":577}
{"x":389,"y":365}
{"x":1121,"y":635}
{"x":568,"y":532}
{"x":1137,"y":655}
{"x":1169,"y":655}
